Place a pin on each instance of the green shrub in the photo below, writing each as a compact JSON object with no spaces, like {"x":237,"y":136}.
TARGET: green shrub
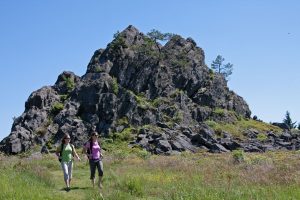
{"x":69,"y":81}
{"x":142,"y":101}
{"x":49,"y":144}
{"x":238,"y":155}
{"x":56,"y":108}
{"x":125,"y":135}
{"x":141,"y":153}
{"x":218,"y":131}
{"x":108,"y":140}
{"x":219,"y":111}
{"x":99,"y":69}
{"x":178,"y":117}
{"x":239,"y":126}
{"x":117,"y":43}
{"x":147,"y":49}
{"x":211,"y":74}
{"x":122,"y":121}
{"x":262,"y":137}
{"x":63,"y":97}
{"x":41,"y":131}
{"x":211,"y":124}
{"x":115,"y":86}
{"x":159,"y":101}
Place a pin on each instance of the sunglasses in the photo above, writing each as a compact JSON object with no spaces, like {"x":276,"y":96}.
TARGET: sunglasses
{"x":67,"y":138}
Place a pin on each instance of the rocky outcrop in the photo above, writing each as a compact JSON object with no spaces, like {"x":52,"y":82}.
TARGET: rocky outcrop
{"x":163,"y":93}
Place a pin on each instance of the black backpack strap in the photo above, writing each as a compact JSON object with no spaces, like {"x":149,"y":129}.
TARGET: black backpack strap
{"x":61,"y":149}
{"x":89,"y":149}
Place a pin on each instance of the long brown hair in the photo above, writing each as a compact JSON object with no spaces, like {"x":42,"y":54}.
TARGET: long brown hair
{"x":92,"y":134}
{"x":65,"y":136}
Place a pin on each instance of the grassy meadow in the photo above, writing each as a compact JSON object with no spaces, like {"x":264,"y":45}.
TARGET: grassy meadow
{"x":134,"y":174}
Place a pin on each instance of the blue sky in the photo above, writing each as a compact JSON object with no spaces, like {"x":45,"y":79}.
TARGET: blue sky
{"x":41,"y":39}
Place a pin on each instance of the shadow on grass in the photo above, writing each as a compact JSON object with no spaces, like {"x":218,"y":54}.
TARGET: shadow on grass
{"x":79,"y":188}
{"x":74,"y":188}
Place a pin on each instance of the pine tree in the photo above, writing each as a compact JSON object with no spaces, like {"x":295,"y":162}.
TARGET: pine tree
{"x":224,"y":69}
{"x":288,"y":121}
{"x":156,"y":36}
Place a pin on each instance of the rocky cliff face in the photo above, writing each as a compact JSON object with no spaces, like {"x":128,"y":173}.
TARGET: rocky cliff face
{"x":162,"y":94}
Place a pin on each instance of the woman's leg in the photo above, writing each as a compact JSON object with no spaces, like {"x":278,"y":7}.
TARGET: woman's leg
{"x":92,"y":170}
{"x":100,"y":172}
{"x":64,"y":167}
{"x":70,"y":170}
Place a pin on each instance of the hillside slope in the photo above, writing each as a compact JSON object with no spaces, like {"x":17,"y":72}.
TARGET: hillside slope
{"x":161,"y":98}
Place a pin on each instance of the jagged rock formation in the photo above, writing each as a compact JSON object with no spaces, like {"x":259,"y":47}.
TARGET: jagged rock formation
{"x":163,"y":94}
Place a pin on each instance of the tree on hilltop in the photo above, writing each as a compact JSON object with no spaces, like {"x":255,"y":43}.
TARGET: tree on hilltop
{"x":224,"y":69}
{"x":156,"y":36}
{"x":288,"y":121}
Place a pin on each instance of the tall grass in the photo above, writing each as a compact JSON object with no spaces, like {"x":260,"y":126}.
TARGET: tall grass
{"x":21,"y":180}
{"x":272,"y":175}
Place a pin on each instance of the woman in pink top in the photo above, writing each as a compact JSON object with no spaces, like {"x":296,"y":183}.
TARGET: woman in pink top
{"x":93,"y":151}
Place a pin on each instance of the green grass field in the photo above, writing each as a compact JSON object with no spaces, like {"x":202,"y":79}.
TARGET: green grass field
{"x":130,"y":175}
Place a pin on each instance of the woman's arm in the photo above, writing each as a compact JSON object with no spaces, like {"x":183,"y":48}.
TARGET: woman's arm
{"x":57,"y":152}
{"x":85,"y":151}
{"x":101,"y":155}
{"x":76,"y":155}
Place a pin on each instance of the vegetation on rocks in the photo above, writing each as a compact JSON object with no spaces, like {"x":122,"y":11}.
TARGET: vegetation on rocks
{"x":69,"y":83}
{"x":56,"y":108}
{"x":117,"y":43}
{"x":238,"y":127}
{"x":115,"y":86}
